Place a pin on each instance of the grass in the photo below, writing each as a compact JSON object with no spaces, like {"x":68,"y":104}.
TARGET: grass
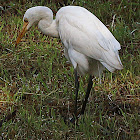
{"x":37,"y":83}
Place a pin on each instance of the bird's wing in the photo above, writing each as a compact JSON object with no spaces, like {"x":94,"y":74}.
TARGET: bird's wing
{"x":88,"y":35}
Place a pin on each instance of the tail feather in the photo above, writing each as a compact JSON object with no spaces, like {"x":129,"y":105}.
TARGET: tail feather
{"x":111,"y":60}
{"x":111,"y":69}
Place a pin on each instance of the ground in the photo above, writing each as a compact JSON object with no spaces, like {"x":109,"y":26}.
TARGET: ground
{"x":37,"y":82}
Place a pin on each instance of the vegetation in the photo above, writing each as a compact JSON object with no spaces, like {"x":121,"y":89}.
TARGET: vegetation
{"x":37,"y":83}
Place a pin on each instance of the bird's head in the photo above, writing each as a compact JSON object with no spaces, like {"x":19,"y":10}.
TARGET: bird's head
{"x":32,"y":16}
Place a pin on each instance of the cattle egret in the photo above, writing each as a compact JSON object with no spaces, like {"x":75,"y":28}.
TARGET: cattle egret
{"x":88,"y":44}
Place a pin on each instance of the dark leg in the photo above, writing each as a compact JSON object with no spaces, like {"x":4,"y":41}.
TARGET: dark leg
{"x":90,"y":83}
{"x":76,"y":91}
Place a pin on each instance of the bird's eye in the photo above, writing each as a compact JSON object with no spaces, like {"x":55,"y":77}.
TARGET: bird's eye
{"x":25,"y":20}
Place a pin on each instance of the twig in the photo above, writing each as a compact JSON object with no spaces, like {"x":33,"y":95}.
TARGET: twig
{"x":27,"y":93}
{"x":113,"y":21}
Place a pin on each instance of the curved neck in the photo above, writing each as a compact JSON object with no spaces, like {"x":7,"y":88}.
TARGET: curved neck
{"x":48,"y":27}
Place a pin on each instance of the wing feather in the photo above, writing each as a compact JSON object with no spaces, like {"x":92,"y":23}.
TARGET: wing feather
{"x":88,"y":35}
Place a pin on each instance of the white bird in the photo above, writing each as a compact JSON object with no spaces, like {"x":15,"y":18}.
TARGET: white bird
{"x":88,"y":44}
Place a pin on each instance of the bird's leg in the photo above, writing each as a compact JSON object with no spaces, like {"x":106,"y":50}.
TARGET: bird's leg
{"x":90,"y":83}
{"x":76,"y":91}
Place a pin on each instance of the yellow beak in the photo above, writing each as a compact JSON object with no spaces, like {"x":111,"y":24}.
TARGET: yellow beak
{"x":22,"y":33}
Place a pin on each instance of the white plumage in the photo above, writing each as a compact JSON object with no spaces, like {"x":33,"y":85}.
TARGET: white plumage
{"x":89,"y":45}
{"x":86,"y":39}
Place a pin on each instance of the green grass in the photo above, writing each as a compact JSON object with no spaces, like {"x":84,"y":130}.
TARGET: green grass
{"x":37,"y":81}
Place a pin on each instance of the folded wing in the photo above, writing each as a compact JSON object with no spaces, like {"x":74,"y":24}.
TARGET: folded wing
{"x":84,"y":32}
